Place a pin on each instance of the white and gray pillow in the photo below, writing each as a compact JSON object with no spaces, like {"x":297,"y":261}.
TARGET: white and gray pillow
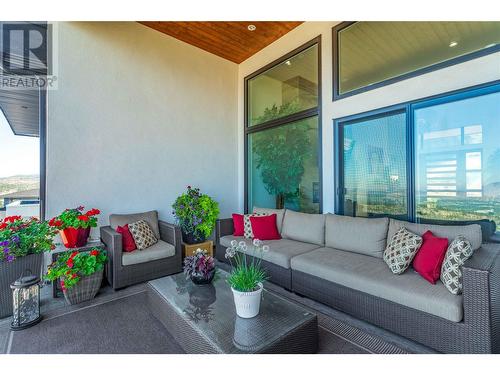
{"x":143,"y":234}
{"x":401,"y":250}
{"x":451,"y":271}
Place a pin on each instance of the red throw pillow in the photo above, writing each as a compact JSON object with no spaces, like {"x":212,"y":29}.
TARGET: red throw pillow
{"x":430,"y":257}
{"x":239,"y":227}
{"x":264,"y":227}
{"x":128,"y":242}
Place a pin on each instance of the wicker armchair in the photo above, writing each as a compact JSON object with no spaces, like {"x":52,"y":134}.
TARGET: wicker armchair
{"x":120,"y":275}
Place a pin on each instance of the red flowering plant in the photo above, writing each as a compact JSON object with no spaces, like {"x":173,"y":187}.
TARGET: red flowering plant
{"x":24,"y":236}
{"x":75,"y":218}
{"x":71,"y":266}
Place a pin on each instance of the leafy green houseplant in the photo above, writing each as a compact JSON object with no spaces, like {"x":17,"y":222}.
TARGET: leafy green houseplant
{"x":196,"y":214}
{"x":80,"y":273}
{"x":246,"y":276}
{"x":280,"y":154}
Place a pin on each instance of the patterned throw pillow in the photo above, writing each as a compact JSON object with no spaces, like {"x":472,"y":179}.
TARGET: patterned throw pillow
{"x":248,"y":233}
{"x":143,"y":234}
{"x":451,"y":271}
{"x":400,"y":252}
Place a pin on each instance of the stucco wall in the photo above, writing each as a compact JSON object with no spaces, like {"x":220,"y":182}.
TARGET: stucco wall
{"x":137,"y":116}
{"x":470,"y":73}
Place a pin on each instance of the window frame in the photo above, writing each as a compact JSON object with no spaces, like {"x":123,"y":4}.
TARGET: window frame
{"x":43,"y":151}
{"x":409,"y":108}
{"x":302,"y":115}
{"x":336,"y":66}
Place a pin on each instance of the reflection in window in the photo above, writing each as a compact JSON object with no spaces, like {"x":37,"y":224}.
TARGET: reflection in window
{"x":373,"y":52}
{"x":458,"y":159}
{"x":283,"y":167}
{"x":374,"y":167}
{"x":284,"y":89}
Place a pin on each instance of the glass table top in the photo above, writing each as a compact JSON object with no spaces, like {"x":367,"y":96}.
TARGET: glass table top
{"x":210,"y":310}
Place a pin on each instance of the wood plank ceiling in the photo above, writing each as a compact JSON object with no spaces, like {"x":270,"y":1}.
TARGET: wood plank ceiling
{"x":230,"y":40}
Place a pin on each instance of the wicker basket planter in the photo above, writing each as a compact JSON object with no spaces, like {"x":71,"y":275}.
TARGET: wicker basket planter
{"x":85,"y":290}
{"x":9,"y":272}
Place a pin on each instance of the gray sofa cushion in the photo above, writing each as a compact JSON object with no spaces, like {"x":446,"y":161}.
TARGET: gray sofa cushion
{"x":226,"y":240}
{"x":280,"y":213}
{"x":371,"y":275}
{"x":357,"y":234}
{"x":280,"y":251}
{"x":150,"y":217}
{"x":159,"y":250}
{"x":303,"y":227}
{"x":472,"y":232}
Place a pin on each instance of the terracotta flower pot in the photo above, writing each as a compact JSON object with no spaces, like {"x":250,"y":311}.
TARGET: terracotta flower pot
{"x":74,"y":237}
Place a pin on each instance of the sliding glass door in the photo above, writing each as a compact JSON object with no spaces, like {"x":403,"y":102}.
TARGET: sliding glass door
{"x":436,"y":159}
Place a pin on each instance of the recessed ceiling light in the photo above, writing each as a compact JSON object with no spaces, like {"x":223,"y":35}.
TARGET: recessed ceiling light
{"x":252,"y":27}
{"x":453,"y":44}
{"x":288,"y":62}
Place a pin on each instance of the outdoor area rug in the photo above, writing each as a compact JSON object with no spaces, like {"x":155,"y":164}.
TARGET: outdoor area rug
{"x":121,"y":326}
{"x":121,"y":323}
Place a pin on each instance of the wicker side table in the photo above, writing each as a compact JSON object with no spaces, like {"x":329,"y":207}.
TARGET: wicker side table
{"x":60,"y":249}
{"x":188,"y":249}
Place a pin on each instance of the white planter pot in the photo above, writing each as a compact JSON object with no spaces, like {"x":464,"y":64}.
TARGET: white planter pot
{"x":247,"y":303}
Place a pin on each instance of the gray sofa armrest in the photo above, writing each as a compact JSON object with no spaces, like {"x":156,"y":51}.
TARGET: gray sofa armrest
{"x":481,"y":291}
{"x":484,"y":258}
{"x":223,"y":227}
{"x":114,"y":250}
{"x":172,"y":234}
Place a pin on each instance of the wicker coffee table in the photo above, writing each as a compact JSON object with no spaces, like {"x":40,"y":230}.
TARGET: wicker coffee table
{"x":203,"y":319}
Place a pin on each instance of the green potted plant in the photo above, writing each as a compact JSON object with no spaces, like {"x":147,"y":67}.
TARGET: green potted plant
{"x":80,"y":274}
{"x":246,"y":276}
{"x":196,"y":214}
{"x":74,"y":225}
{"x":22,"y":242}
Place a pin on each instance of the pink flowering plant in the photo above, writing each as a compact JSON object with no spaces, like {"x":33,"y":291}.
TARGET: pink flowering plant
{"x":24,"y":236}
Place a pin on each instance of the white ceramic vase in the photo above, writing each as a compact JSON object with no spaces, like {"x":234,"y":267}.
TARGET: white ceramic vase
{"x":248,"y":303}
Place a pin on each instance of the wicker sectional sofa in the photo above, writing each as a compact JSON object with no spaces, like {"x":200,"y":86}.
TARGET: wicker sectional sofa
{"x":337,"y":260}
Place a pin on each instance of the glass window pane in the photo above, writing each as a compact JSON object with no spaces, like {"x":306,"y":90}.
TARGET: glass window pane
{"x":285,"y":89}
{"x":467,"y":185}
{"x":372,"y":52}
{"x":19,"y":173}
{"x":283,"y":167}
{"x":374,"y":158}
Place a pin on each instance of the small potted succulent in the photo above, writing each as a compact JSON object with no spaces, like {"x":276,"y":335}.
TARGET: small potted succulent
{"x":246,"y":276}
{"x":22,"y":242}
{"x":196,"y":214}
{"x":74,"y":225}
{"x":80,"y":274}
{"x":200,"y":267}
